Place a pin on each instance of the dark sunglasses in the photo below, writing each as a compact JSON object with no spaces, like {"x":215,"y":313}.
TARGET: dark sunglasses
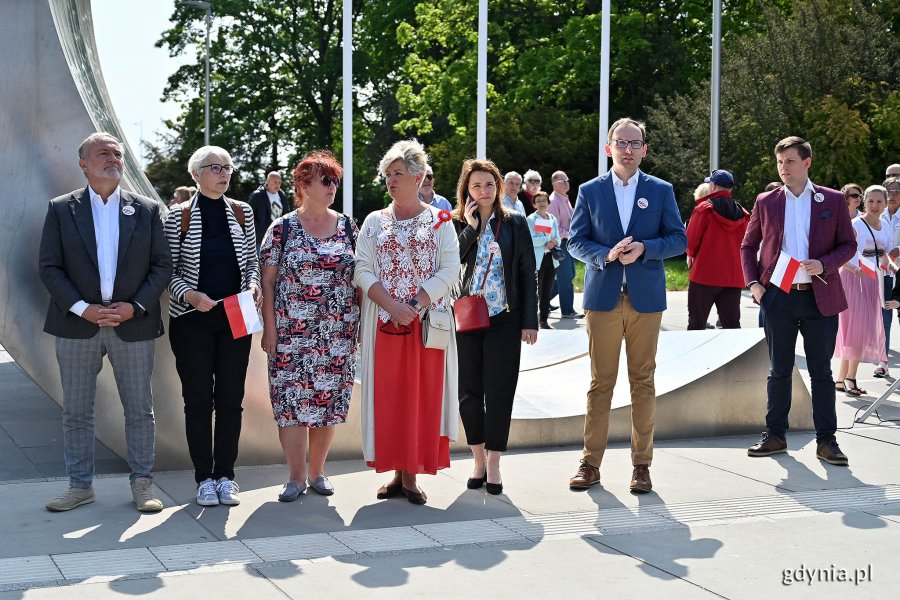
{"x":429,"y":176}
{"x":854,"y":195}
{"x":327,"y":180}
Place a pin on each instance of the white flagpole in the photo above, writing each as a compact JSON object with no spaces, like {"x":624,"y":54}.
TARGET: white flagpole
{"x":604,"y":86}
{"x":481,"y":110}
{"x":715,"y":86}
{"x":348,"y":107}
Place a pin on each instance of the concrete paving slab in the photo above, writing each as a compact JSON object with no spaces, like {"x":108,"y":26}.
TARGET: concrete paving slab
{"x":190,"y":556}
{"x":749,"y":560}
{"x":798,"y":469}
{"x":28,"y":569}
{"x":353,"y":506}
{"x":237,"y":584}
{"x":538,"y":482}
{"x":559,"y":569}
{"x":111,"y":522}
{"x":109,"y":563}
{"x":35,"y":432}
{"x":292,"y":547}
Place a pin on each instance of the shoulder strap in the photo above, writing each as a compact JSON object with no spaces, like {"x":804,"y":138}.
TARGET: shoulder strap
{"x":185,"y":219}
{"x":874,"y":241}
{"x":238,"y":211}
{"x":349,"y":231}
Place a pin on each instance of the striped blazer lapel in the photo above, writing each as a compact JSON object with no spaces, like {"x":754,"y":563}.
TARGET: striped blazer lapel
{"x":237,"y":238}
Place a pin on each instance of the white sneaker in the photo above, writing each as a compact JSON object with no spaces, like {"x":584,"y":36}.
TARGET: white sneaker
{"x":228,"y":492}
{"x":206,"y":493}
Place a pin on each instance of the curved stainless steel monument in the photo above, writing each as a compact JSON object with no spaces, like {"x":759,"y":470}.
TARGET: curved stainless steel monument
{"x":52,"y":96}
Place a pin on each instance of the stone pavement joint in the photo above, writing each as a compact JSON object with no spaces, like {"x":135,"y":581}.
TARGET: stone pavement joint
{"x":109,"y":565}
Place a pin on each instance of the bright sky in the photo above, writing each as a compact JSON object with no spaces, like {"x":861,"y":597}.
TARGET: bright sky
{"x":134,"y":70}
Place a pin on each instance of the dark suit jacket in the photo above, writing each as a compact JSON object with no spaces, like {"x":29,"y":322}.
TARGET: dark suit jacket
{"x":69,"y":270}
{"x":832,"y":241}
{"x":517,"y":252}
{"x":262,"y":211}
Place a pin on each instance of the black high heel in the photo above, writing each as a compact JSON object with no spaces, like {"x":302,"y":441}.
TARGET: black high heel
{"x":494,"y":489}
{"x":475,"y":483}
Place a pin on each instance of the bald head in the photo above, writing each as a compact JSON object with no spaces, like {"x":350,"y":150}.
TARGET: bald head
{"x":892,"y":171}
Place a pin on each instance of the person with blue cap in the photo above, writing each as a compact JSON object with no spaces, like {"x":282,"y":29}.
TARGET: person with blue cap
{"x":714,"y":236}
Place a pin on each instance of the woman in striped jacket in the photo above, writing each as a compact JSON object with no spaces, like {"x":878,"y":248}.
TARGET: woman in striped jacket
{"x":213,"y":244}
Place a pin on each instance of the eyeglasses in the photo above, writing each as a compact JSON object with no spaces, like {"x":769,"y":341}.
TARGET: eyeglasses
{"x":216,"y":168}
{"x":327,"y":180}
{"x":894,"y":192}
{"x":533,"y":180}
{"x":429,"y":176}
{"x":854,"y":195}
{"x":562,"y":181}
{"x":636,"y":144}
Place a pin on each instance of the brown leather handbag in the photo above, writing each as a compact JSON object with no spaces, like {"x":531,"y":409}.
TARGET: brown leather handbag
{"x":471,"y":312}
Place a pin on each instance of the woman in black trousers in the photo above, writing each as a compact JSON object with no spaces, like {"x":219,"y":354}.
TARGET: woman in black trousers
{"x":213,"y":244}
{"x":497,"y":255}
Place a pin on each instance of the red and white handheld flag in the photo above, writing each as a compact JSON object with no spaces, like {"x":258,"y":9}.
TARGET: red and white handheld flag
{"x":542,"y":225}
{"x":867,"y":267}
{"x":242,"y":315}
{"x":785,"y":269}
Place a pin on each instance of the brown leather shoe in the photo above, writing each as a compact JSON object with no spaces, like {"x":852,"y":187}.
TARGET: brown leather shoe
{"x":586,"y":476}
{"x":831,"y":453}
{"x":640,"y":479}
{"x":767,"y":445}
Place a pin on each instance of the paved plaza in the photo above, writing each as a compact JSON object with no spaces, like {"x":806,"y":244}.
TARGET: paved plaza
{"x":717,"y":525}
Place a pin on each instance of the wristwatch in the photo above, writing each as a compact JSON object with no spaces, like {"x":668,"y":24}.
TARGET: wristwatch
{"x":414,"y":303}
{"x":138,"y":310}
{"x":751,"y":284}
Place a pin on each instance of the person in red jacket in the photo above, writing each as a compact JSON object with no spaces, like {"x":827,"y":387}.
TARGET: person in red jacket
{"x":714,"y":235}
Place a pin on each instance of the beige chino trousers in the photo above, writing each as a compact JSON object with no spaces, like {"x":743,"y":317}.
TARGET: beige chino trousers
{"x":606,"y":330}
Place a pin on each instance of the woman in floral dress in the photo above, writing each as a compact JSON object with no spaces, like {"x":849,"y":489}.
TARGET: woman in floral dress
{"x":407,"y":259}
{"x":310,"y":315}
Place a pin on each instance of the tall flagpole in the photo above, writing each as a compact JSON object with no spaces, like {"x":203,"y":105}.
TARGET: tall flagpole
{"x":604,"y":86}
{"x":481,"y":110}
{"x":715,"y":86}
{"x":348,"y":107}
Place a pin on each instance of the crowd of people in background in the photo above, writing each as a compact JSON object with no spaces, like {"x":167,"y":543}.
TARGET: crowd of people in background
{"x":378,"y":302}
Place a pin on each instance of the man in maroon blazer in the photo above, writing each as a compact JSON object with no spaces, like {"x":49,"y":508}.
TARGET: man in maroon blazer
{"x":811,"y":224}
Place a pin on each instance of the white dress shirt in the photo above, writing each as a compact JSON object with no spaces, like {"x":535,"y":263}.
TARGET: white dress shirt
{"x":796,"y":227}
{"x":625,"y":192}
{"x":106,"y":231}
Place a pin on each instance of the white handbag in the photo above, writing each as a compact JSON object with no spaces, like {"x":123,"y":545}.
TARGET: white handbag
{"x":437,"y":327}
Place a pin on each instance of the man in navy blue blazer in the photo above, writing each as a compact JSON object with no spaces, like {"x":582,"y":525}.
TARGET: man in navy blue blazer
{"x":625,"y":223}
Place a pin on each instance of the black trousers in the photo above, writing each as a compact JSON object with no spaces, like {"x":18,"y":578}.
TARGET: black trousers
{"x":212,"y":366}
{"x":785,"y":316}
{"x":701,"y":299}
{"x":546,"y":279}
{"x":488,"y":374}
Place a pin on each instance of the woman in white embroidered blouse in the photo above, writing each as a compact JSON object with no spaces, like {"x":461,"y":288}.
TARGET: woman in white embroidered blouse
{"x":407,"y":258}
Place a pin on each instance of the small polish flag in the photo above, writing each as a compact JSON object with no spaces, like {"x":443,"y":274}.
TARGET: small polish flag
{"x":785,"y":269}
{"x":242,"y":315}
{"x":867,"y":267}
{"x":542,"y":225}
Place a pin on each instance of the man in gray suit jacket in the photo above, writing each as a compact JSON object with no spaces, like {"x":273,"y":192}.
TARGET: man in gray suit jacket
{"x":105,"y":260}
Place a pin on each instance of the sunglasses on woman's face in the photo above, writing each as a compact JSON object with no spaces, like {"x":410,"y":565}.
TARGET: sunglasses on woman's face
{"x":328,"y":180}
{"x":854,"y":194}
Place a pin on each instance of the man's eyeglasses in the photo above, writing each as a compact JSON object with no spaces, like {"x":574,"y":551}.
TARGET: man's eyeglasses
{"x":562,"y":181}
{"x":894,"y":192}
{"x":429,"y":176}
{"x":854,"y":195}
{"x":216,"y":168}
{"x":327,"y":180}
{"x":636,"y":144}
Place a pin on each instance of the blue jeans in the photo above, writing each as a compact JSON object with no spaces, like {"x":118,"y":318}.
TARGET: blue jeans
{"x":565,"y":274}
{"x":786,"y":315}
{"x":80,"y":361}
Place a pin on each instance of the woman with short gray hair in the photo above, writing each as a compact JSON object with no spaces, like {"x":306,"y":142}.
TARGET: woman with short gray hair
{"x":213,"y":244}
{"x":532,"y":185}
{"x":407,"y":259}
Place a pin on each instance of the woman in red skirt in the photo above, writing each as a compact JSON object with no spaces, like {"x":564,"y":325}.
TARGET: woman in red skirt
{"x":407,"y":258}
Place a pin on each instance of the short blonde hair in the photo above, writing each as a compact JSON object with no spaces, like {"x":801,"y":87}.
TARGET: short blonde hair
{"x":411,"y":152}
{"x":702,"y":190}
